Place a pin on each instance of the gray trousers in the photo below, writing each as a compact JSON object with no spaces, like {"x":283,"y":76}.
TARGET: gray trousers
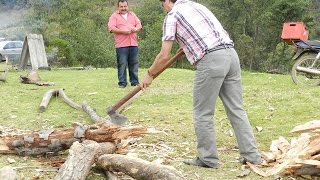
{"x":218,"y":74}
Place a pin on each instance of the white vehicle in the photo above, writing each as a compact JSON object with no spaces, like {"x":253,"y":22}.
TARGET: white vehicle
{"x":8,"y":48}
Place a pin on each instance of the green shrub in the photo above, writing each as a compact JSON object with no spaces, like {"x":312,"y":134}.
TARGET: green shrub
{"x":64,"y":55}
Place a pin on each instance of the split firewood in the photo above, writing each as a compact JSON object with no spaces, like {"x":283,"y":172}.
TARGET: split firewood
{"x":54,"y":140}
{"x":81,"y":157}
{"x":299,"y":157}
{"x":8,"y":173}
{"x":56,"y":92}
{"x":138,"y":168}
{"x":307,"y":127}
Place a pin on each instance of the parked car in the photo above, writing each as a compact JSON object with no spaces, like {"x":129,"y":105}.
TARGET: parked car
{"x":8,"y":48}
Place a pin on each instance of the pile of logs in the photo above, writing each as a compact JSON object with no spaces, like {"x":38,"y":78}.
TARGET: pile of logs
{"x":300,"y":157}
{"x":101,"y":144}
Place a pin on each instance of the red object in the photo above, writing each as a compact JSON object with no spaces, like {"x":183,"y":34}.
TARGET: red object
{"x":293,"y":31}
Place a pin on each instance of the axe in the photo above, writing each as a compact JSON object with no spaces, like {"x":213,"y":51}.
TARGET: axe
{"x":119,"y":119}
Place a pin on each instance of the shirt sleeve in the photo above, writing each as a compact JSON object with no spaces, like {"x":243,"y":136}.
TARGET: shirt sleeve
{"x":112,"y":22}
{"x":137,"y":21}
{"x":169,"y":28}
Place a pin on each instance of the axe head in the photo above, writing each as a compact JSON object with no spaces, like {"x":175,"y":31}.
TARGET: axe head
{"x":116,"y":118}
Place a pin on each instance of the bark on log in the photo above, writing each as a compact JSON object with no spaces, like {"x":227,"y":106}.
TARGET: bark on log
{"x":81,"y":157}
{"x":54,"y":140}
{"x":138,"y":168}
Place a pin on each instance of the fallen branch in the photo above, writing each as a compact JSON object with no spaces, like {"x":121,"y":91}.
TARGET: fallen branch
{"x":93,"y":114}
{"x":46,"y":99}
{"x":67,"y":100}
{"x":56,"y":92}
{"x":138,"y":168}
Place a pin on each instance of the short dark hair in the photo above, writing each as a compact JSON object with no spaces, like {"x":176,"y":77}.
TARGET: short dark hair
{"x":122,"y":1}
{"x":170,"y":0}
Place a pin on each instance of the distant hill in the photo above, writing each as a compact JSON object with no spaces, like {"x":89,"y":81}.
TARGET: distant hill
{"x":11,"y":23}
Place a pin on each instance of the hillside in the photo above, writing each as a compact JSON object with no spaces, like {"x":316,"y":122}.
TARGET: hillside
{"x":11,"y":26}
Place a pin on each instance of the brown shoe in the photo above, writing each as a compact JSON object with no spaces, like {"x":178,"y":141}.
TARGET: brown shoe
{"x":197,"y":162}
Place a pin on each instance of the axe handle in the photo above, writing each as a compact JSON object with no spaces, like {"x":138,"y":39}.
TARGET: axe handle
{"x":136,"y":89}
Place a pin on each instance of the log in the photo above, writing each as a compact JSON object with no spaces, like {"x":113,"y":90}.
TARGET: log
{"x":138,"y":168}
{"x":56,"y":92}
{"x":93,"y":114}
{"x":81,"y":157}
{"x":46,"y":99}
{"x":55,"y":140}
{"x":68,"y":101}
{"x":307,"y":127}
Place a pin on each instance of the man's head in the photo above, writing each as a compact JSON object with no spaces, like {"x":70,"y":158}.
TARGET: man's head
{"x":167,"y":4}
{"x":123,"y":6}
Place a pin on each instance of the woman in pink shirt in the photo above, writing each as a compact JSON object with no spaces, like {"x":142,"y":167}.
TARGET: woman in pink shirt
{"x":125,"y":25}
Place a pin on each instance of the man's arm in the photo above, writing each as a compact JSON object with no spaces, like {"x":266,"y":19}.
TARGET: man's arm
{"x":112,"y":26}
{"x":119,"y":31}
{"x":160,"y":62}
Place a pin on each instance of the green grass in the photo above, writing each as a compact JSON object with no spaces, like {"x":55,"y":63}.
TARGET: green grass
{"x":271,"y":101}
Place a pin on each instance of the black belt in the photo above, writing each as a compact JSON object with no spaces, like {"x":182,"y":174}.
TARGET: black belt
{"x":221,"y":46}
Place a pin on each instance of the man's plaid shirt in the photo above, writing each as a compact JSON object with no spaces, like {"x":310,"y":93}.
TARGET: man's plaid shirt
{"x":195,"y":28}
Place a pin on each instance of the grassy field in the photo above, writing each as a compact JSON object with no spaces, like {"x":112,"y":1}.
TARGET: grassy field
{"x":272,"y":102}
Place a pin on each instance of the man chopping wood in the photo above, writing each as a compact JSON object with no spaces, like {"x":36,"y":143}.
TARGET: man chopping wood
{"x":209,"y":48}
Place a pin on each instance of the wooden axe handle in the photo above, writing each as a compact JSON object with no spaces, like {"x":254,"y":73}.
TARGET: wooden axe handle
{"x":136,"y":89}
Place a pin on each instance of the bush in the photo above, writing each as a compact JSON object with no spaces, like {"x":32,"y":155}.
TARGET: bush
{"x":62,"y":53}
